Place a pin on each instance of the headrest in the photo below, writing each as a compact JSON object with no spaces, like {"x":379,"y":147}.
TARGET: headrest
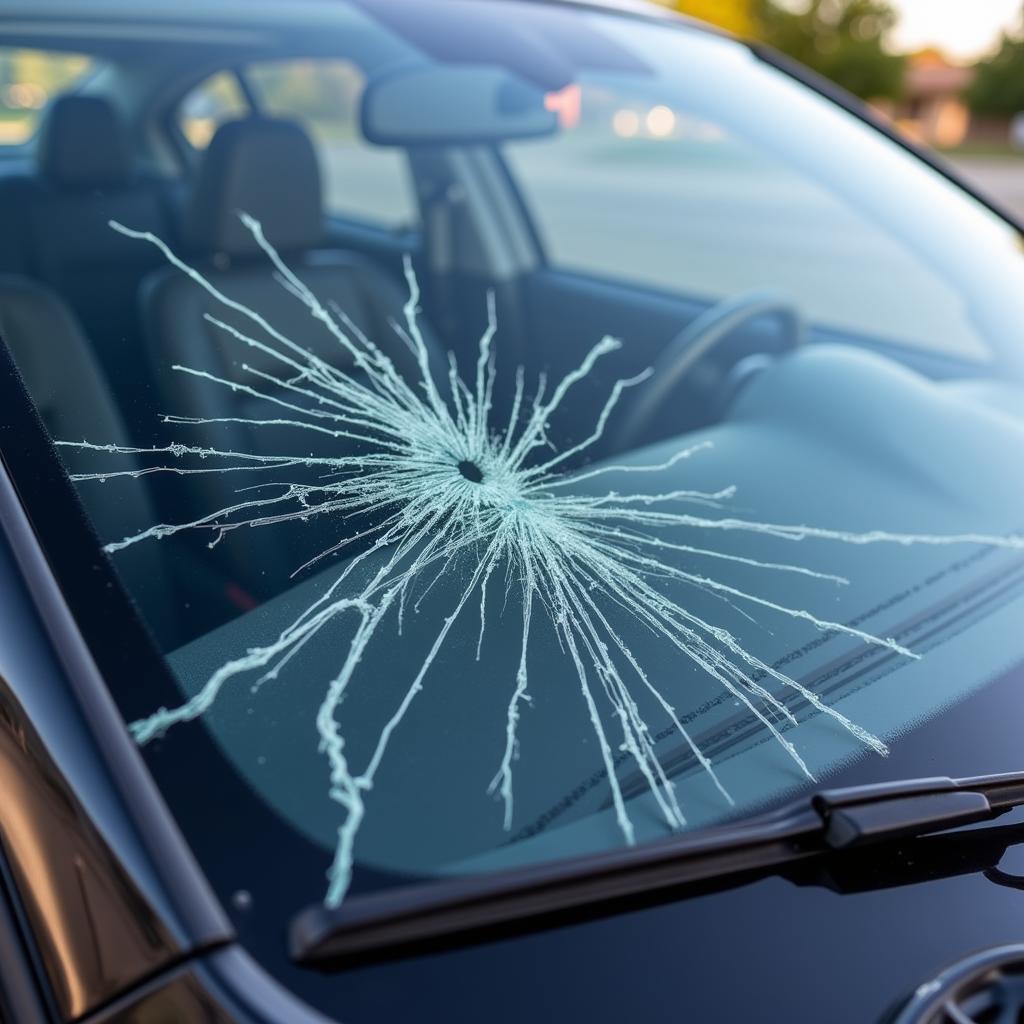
{"x":83,"y":144}
{"x":264,"y":167}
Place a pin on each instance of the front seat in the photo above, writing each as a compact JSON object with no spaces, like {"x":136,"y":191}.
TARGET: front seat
{"x":267,"y":168}
{"x":70,"y":394}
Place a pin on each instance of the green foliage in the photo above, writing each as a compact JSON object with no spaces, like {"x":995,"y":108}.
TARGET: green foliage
{"x":733,"y":15}
{"x":844,"y":40}
{"x":998,"y":87}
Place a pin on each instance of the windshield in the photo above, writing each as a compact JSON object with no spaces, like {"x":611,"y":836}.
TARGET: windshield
{"x":639,"y":453}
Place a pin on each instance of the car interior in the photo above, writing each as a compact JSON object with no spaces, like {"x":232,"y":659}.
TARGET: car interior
{"x":92,"y":318}
{"x":171,"y":138}
{"x":847,"y":349}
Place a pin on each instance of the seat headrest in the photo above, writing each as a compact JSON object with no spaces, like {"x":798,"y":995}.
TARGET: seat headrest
{"x":265,"y":167}
{"x":83,"y":144}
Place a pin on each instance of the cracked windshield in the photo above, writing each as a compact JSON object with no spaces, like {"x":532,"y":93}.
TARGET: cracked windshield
{"x":518,"y":443}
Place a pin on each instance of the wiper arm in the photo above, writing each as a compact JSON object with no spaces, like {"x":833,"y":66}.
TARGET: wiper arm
{"x":863,"y":814}
{"x":481,"y":906}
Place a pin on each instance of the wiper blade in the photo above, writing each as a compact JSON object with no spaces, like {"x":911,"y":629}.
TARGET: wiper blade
{"x":480,"y":906}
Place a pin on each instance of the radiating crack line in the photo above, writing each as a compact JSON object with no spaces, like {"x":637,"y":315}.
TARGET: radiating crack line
{"x":450,"y":494}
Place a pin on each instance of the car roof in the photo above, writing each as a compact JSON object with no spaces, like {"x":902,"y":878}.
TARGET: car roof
{"x":114,"y":28}
{"x":241,"y":10}
{"x":30,"y":14}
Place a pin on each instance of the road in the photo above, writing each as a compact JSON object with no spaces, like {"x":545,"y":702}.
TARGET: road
{"x":710,"y":221}
{"x":1001,"y":177}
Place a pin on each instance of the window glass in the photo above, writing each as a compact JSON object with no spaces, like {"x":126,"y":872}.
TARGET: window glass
{"x":440,"y":600}
{"x":29,"y":79}
{"x":678,"y":190}
{"x":360,"y":181}
{"x":209,"y":105}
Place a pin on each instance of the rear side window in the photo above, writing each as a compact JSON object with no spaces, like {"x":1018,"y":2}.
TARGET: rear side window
{"x":207,"y":107}
{"x":29,"y":79}
{"x":361,"y":182}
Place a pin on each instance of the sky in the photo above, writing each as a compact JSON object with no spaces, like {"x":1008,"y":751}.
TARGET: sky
{"x":964,"y":29}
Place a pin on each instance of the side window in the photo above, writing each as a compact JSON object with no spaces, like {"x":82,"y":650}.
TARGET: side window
{"x":209,"y":105}
{"x":361,"y":182}
{"x":29,"y":79}
{"x":676,"y":194}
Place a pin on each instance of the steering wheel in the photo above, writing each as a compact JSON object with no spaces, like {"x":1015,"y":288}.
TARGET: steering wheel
{"x":691,"y":349}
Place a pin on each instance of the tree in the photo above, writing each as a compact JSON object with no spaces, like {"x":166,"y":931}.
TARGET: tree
{"x":844,"y":40}
{"x":998,"y":86}
{"x":732,"y":15}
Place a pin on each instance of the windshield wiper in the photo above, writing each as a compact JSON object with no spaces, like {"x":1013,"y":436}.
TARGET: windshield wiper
{"x":526,"y":898}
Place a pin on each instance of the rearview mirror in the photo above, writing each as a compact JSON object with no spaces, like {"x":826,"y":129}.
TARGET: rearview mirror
{"x":453,"y":105}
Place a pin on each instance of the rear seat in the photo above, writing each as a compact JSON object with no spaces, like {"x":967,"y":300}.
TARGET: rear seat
{"x":56,"y":231}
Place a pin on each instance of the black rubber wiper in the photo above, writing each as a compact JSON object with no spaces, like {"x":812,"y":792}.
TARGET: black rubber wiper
{"x":469,"y":909}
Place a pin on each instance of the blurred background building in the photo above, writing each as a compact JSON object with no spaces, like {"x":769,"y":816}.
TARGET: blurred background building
{"x":932,"y":102}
